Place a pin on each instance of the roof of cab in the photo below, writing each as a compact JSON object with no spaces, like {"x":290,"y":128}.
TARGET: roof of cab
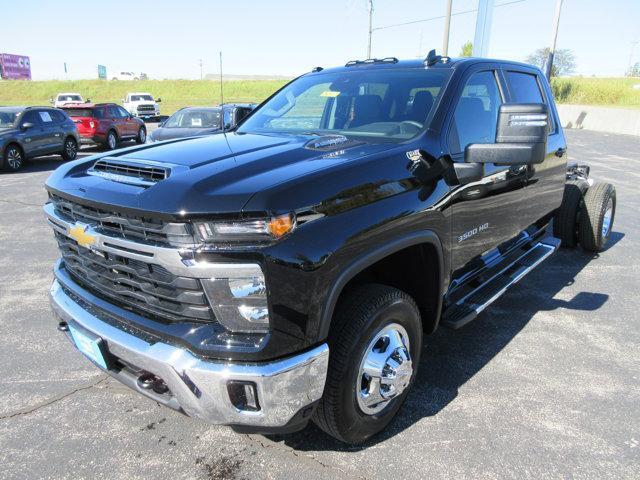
{"x":445,"y":63}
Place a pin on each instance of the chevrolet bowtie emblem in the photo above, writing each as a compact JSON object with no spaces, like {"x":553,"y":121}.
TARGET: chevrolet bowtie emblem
{"x":79,"y":233}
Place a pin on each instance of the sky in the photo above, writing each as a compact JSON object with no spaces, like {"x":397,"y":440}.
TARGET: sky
{"x":166,"y":39}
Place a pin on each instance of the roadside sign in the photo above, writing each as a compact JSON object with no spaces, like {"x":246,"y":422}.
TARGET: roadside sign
{"x":102,"y":72}
{"x":15,"y":67}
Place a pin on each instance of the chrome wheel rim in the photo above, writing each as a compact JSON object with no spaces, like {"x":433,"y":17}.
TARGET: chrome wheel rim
{"x":14,"y":158}
{"x":71,"y":149}
{"x":608,"y":216}
{"x":112,"y":141}
{"x":385,"y":369}
{"x":143,"y":135}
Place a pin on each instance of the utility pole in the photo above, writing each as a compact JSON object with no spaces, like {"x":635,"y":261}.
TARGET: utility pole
{"x":483,"y":28}
{"x":370,"y":27}
{"x":200,"y":63}
{"x":447,"y":24}
{"x":633,"y":49}
{"x":554,"y":37}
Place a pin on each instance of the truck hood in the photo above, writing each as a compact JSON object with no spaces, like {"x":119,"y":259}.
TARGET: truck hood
{"x":212,"y":175}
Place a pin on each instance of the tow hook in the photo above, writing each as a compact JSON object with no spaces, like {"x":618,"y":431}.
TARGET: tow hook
{"x":149,"y":381}
{"x":63,"y":326}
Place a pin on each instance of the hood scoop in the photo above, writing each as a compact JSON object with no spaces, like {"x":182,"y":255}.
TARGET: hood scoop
{"x":327,"y":143}
{"x":133,"y":172}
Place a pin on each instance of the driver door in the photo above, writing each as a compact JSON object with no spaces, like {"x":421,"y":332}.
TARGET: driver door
{"x":485,"y":213}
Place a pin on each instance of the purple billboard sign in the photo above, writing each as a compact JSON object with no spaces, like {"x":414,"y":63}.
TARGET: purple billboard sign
{"x":15,"y":67}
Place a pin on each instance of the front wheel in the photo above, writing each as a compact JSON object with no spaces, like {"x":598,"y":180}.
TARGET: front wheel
{"x":142,"y":135}
{"x":13,"y":158}
{"x":374,"y":346}
{"x":69,"y":149}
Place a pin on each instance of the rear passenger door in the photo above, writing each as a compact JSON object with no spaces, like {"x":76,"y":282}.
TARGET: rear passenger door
{"x":116,"y":120}
{"x":488,"y":212}
{"x":56,"y":129}
{"x":546,"y":180}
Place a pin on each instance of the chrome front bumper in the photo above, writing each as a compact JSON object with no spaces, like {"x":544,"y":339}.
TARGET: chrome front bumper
{"x":197,"y":386}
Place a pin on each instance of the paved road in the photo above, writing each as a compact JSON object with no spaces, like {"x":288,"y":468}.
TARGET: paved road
{"x":544,"y":384}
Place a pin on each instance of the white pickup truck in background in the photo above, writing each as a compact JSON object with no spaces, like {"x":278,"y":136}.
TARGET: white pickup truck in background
{"x":66,"y":99}
{"x":141,"y":105}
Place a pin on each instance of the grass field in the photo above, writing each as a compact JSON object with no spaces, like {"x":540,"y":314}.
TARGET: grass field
{"x":175,"y":94}
{"x":616,"y":92}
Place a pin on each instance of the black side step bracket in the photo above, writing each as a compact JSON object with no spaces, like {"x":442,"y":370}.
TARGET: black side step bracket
{"x":467,"y":308}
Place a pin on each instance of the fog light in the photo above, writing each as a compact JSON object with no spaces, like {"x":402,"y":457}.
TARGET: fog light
{"x":238,"y":297}
{"x":243,"y":395}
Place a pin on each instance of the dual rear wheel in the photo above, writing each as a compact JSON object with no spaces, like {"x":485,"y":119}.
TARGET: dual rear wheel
{"x":586,"y":215}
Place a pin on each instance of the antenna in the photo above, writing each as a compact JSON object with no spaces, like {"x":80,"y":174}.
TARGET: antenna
{"x":221,"y":91}
{"x":222,"y":119}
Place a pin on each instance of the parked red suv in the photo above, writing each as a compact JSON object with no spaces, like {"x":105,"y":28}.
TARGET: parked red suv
{"x":106,"y":124}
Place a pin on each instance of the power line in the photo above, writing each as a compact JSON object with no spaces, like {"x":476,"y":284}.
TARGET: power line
{"x":440,"y":17}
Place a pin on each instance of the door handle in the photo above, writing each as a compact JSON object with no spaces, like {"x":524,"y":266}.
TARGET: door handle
{"x":560,"y":152}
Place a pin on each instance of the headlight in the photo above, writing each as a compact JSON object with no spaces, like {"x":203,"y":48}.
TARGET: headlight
{"x":248,"y":231}
{"x":238,"y":297}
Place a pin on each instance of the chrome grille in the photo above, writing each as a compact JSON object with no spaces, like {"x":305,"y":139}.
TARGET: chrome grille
{"x":148,"y":108}
{"x":130,"y":227}
{"x":145,"y":288}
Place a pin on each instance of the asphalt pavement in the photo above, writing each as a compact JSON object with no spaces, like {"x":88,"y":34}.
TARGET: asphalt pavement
{"x":544,"y":384}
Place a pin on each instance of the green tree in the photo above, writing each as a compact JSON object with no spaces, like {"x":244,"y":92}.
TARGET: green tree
{"x":564,"y":62}
{"x":466,"y":50}
{"x":634,"y":71}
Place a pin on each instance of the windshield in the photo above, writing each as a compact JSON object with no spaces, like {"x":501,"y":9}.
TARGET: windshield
{"x":387,"y":104}
{"x":69,"y":98}
{"x":9,"y":119}
{"x":194,"y":119}
{"x":141,"y":98}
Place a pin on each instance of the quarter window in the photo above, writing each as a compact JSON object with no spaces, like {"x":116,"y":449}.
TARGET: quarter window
{"x":524,"y":88}
{"x":476,"y":115}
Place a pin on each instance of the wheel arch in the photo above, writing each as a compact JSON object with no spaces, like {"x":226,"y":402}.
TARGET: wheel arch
{"x":427,"y":244}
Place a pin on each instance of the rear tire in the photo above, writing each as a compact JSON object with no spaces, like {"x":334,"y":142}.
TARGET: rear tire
{"x":596,"y":217}
{"x":377,"y":323}
{"x":13,"y":158}
{"x":565,"y":221}
{"x":111,"y":141}
{"x":142,"y":136}
{"x":69,"y":149}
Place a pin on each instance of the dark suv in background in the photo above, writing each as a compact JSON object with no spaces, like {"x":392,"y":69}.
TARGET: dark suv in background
{"x":106,"y":124}
{"x":28,"y":132}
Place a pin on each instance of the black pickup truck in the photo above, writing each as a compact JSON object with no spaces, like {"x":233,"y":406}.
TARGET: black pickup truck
{"x":287,"y":270}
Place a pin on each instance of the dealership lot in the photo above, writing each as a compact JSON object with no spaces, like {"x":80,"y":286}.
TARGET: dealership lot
{"x":544,"y":384}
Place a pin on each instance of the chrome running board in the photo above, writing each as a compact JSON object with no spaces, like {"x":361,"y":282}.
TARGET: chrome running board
{"x":468,"y":307}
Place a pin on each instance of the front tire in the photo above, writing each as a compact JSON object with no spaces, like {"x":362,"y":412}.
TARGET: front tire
{"x":69,"y":149}
{"x":13,"y":158}
{"x":142,"y":135}
{"x":596,"y":217}
{"x":374,"y":344}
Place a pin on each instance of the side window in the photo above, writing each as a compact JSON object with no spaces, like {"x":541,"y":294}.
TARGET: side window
{"x":113,"y":112}
{"x":31,"y":117}
{"x":58,"y":117}
{"x":45,"y":118}
{"x":98,"y":113}
{"x":524,"y":88}
{"x":123,"y":113}
{"x":476,"y":115}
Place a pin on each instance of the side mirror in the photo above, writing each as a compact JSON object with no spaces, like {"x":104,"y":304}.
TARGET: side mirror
{"x":124,"y":100}
{"x":26,"y":126}
{"x":88,"y":100}
{"x":158,"y":100}
{"x":521,"y":137}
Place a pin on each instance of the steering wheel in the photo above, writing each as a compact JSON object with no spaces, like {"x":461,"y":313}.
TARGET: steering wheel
{"x":413,"y":126}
